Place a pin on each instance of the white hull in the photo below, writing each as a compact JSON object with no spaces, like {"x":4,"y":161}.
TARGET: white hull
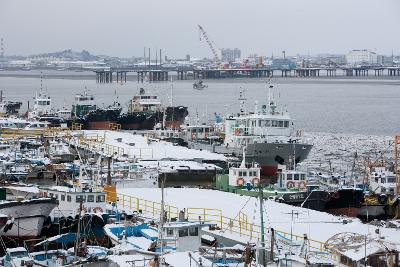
{"x":29,"y":216}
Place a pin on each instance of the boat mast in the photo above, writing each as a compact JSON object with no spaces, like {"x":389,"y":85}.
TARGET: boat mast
{"x":242,"y":101}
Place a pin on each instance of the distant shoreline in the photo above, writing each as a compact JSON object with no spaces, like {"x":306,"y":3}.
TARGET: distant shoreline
{"x":131,"y":77}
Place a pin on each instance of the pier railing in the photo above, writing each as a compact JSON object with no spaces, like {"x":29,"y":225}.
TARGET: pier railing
{"x":239,"y":225}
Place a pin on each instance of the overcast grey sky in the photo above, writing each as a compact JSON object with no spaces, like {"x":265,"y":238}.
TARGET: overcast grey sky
{"x":124,"y":27}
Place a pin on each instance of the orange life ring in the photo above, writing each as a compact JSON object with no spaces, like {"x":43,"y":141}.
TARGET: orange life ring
{"x":302,"y":185}
{"x":237,"y":131}
{"x":255,"y":181}
{"x":97,"y":209}
{"x":289,"y":185}
{"x":240,"y":181}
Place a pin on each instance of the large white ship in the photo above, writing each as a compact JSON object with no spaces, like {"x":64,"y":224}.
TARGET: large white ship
{"x":269,"y":136}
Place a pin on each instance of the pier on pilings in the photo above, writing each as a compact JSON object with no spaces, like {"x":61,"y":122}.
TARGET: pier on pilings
{"x":104,"y":76}
{"x":121,"y":76}
{"x":331,"y":72}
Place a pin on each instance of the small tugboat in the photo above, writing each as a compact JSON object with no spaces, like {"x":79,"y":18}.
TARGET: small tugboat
{"x":291,"y":188}
{"x":199,"y":85}
{"x":145,"y":112}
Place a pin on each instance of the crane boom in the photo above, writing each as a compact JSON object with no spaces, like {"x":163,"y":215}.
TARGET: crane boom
{"x":209,"y":42}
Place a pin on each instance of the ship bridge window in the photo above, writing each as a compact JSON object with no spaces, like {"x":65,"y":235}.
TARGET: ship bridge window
{"x":183,"y":232}
{"x":242,"y":173}
{"x":207,"y":130}
{"x":274,"y":124}
{"x":193,"y":231}
{"x":289,"y":176}
{"x":170,"y":232}
{"x":296,"y":176}
{"x":391,"y":180}
{"x":69,"y":198}
{"x":100,"y":198}
{"x":62,"y":197}
{"x":286,"y":124}
{"x":302,"y":177}
{"x":280,"y":124}
{"x":90,"y":198}
{"x":80,"y":198}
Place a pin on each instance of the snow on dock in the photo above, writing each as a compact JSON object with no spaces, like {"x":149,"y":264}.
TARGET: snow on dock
{"x":142,"y":147}
{"x":318,"y":226}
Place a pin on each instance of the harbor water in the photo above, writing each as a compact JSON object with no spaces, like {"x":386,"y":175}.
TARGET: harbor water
{"x":333,"y":105}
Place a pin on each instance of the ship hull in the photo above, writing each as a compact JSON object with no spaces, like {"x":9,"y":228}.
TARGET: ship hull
{"x":267,"y":155}
{"x":147,"y":120}
{"x":29,"y":216}
{"x":102,"y":119}
{"x":345,"y":202}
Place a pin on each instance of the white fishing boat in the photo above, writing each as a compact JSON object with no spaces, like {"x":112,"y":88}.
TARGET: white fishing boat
{"x":41,"y":105}
{"x":69,"y":199}
{"x":27,"y":216}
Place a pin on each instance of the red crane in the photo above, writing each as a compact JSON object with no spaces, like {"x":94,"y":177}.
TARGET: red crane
{"x":210,"y":44}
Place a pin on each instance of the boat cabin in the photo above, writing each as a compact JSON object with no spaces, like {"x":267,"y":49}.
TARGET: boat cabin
{"x":292,"y":179}
{"x":382,"y":181}
{"x":144,"y":102}
{"x":198,"y":132}
{"x":70,"y":199}
{"x":83,"y":104}
{"x":244,"y":176}
{"x":42,"y":106}
{"x":182,"y":235}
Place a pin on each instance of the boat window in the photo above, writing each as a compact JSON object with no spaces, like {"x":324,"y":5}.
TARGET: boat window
{"x":207,"y":130}
{"x":289,"y":176}
{"x":302,"y":177}
{"x":200,"y":130}
{"x":80,"y":198}
{"x":69,"y":198}
{"x":193,"y":231}
{"x":274,"y":124}
{"x":296,"y":176}
{"x":100,"y":198}
{"x":62,"y":197}
{"x":392,"y":180}
{"x":90,"y":198}
{"x":170,"y":232}
{"x":280,"y":124}
{"x":18,"y":254}
{"x":183,"y":232}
